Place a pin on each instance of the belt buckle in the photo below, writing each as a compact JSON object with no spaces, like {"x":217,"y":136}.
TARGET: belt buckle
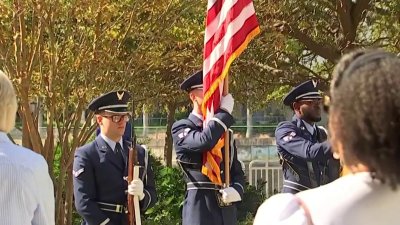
{"x":118,"y":208}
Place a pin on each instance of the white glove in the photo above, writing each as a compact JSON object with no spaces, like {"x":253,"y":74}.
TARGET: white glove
{"x":227,"y":103}
{"x":136,"y":188}
{"x":230,"y":195}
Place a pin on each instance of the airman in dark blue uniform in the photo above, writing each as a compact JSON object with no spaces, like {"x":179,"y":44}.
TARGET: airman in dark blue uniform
{"x":191,"y":140}
{"x":101,"y":167}
{"x":305,"y":153}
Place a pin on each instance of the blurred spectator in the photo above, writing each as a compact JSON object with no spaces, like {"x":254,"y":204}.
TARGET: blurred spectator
{"x":26,"y":190}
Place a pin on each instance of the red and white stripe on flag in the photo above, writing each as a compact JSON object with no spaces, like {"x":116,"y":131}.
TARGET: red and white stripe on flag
{"x":230,"y":26}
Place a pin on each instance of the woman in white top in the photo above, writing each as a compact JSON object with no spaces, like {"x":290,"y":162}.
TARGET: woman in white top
{"x":26,"y":190}
{"x":364,"y":123}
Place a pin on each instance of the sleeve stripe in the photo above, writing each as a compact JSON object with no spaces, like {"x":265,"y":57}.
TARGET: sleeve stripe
{"x":239,"y":186}
{"x":105,"y":221}
{"x":220,"y":122}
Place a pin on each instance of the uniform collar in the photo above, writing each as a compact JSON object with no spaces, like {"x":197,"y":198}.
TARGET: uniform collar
{"x":197,"y":115}
{"x":301,"y":123}
{"x":309,"y":127}
{"x":196,"y":119}
{"x":110,"y":142}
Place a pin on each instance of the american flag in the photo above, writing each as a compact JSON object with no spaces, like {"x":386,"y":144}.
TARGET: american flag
{"x":230,"y":26}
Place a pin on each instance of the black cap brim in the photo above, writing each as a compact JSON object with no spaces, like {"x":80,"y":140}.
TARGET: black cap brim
{"x":193,"y":82}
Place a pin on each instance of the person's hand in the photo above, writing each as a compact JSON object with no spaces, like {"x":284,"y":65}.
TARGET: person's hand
{"x":136,"y":188}
{"x":230,"y":195}
{"x":227,"y":103}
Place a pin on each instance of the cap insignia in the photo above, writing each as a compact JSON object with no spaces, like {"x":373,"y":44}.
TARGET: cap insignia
{"x":314,"y":83}
{"x":120,"y":95}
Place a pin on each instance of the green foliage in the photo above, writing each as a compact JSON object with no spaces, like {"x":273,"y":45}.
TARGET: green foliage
{"x":248,"y":220}
{"x":253,"y":197}
{"x":170,"y":193}
{"x":76,"y":218}
{"x":182,"y":113}
{"x":278,"y":93}
{"x":56,"y":162}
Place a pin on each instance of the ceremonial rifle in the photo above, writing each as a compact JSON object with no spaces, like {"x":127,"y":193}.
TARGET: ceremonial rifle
{"x":133,"y":173}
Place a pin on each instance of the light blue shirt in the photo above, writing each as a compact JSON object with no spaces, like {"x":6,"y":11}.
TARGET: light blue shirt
{"x":110,"y":142}
{"x":26,"y":189}
{"x":309,"y":127}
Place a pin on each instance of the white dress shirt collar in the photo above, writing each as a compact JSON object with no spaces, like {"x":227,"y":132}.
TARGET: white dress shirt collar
{"x":110,"y":142}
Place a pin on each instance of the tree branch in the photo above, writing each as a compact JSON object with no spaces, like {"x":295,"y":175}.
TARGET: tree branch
{"x":343,"y":9}
{"x":350,"y":15}
{"x":296,"y":62}
{"x":358,"y":10}
{"x":326,"y":51}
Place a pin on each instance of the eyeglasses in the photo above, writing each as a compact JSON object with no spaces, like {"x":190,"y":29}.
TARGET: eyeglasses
{"x":118,"y":118}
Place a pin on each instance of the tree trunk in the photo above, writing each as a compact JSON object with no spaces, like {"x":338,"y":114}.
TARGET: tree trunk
{"x":171,"y":107}
{"x":145,"y":121}
{"x":249,"y":123}
{"x":40,"y":116}
{"x":26,"y":139}
{"x":59,"y":190}
{"x":68,"y":198}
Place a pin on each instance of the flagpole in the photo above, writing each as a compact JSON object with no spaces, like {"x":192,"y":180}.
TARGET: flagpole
{"x":227,"y":163}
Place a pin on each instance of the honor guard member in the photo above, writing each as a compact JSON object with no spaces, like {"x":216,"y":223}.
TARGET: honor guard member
{"x":101,"y":167}
{"x":367,"y":141}
{"x":191,"y":140}
{"x":304,"y":151}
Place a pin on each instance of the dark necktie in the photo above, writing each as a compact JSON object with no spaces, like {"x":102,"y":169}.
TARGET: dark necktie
{"x":315,"y":135}
{"x":118,"y":152}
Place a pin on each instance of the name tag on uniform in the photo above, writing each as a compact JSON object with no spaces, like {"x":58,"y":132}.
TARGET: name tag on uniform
{"x":78,"y":172}
{"x":184,"y":133}
{"x":289,"y":137}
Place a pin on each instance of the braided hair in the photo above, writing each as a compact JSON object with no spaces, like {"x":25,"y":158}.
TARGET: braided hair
{"x":365,"y":112}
